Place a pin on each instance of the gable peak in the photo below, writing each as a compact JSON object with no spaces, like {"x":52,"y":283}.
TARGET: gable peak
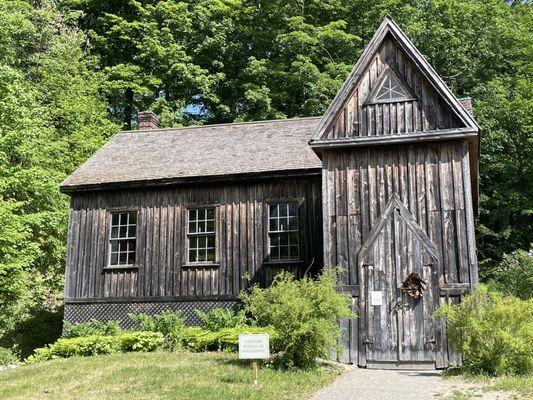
{"x":391,"y":85}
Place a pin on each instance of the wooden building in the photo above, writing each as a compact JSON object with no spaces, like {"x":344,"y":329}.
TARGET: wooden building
{"x":383,"y":185}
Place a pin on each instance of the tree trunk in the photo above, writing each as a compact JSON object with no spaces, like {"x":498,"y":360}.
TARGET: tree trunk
{"x":128,"y":108}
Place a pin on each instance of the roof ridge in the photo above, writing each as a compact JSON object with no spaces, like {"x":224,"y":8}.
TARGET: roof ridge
{"x":223,"y":124}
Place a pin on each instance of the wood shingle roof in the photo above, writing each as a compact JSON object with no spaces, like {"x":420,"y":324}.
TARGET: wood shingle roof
{"x":224,"y":151}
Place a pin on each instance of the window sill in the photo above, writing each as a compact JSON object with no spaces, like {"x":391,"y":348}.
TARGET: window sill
{"x":120,"y":267}
{"x":201,"y":265}
{"x":282,"y":262}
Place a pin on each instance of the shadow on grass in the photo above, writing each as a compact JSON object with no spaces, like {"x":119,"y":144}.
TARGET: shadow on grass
{"x":233,"y":361}
{"x":451,"y":372}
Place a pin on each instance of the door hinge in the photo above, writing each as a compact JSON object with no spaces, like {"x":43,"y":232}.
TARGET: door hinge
{"x":431,"y":341}
{"x":368,"y":341}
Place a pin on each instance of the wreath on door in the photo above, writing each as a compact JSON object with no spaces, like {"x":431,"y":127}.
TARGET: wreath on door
{"x":414,"y":286}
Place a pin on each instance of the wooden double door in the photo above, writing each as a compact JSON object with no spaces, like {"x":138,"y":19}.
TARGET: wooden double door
{"x":398,"y":329}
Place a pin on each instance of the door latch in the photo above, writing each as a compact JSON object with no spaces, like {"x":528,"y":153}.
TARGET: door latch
{"x":399,"y":305}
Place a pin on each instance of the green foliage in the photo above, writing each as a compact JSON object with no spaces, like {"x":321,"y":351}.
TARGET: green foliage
{"x":514,"y":275}
{"x":198,"y":339}
{"x":168,"y":323}
{"x":98,"y":344}
{"x":7,"y":357}
{"x":140,"y":341}
{"x":52,"y":117}
{"x":493,"y":332}
{"x":220,"y":318}
{"x":94,"y":327}
{"x":304,"y":312}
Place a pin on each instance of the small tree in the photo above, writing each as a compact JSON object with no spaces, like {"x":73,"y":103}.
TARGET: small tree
{"x":304,"y":312}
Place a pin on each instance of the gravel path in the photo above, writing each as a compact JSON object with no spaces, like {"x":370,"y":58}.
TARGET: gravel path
{"x":362,"y":384}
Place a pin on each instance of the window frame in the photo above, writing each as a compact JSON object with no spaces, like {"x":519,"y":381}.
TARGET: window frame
{"x":300,"y":215}
{"x":187,"y":262}
{"x":371,"y":98}
{"x":109,"y":225}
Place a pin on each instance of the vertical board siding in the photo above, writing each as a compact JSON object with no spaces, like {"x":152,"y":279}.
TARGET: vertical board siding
{"x":242,"y":246}
{"x":427,"y":112}
{"x":432,"y":181}
{"x":423,"y":176}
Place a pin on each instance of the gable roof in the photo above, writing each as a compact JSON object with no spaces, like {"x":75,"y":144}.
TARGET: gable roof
{"x":159,"y":156}
{"x":389,"y":27}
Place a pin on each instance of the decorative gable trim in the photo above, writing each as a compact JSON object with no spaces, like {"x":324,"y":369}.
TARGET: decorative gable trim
{"x":388,"y":26}
{"x":395,"y":204}
{"x":397,"y":87}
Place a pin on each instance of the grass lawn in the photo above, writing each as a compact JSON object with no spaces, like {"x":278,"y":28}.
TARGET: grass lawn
{"x":469,"y":387}
{"x":180,"y":375}
{"x":522,"y":386}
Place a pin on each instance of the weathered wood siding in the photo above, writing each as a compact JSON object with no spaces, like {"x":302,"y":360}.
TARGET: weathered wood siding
{"x":241,"y":239}
{"x":432,"y":181}
{"x":428,"y":112}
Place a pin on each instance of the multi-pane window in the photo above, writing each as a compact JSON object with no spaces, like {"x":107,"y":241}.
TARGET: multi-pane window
{"x":390,"y":89}
{"x":283,"y":232}
{"x":201,"y":234}
{"x":122,"y":239}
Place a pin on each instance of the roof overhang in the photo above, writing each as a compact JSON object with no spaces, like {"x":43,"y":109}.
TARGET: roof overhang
{"x":460,"y":133}
{"x":193,"y":180}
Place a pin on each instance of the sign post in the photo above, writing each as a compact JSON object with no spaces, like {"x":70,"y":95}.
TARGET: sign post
{"x":254,"y":347}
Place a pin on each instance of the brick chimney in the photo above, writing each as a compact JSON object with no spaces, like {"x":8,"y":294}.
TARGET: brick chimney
{"x":147,"y":120}
{"x":467,"y":104}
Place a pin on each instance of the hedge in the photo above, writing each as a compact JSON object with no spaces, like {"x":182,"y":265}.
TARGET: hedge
{"x":199,"y":339}
{"x":98,"y":344}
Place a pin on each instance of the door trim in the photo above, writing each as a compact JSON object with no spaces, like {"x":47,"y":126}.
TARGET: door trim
{"x":394,"y":207}
{"x":396,"y":204}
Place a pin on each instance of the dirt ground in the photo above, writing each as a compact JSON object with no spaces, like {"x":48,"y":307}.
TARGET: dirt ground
{"x":357,"y":383}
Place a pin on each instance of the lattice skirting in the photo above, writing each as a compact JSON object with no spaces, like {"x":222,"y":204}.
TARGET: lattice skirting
{"x":84,"y":312}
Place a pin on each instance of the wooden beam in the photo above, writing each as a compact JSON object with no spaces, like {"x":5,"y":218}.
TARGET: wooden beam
{"x":151,"y":299}
{"x":454,"y":289}
{"x":448,"y":134}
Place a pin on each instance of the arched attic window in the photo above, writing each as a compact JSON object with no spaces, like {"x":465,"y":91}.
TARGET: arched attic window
{"x":390,"y":88}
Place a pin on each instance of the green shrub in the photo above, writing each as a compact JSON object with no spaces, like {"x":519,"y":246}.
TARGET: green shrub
{"x":141,"y":341}
{"x":98,"y":344}
{"x":514,"y":275}
{"x":168,"y":323}
{"x":79,"y":346}
{"x":305,"y":313}
{"x":220,"y":318}
{"x":7,"y":357}
{"x":198,"y":339}
{"x":493,"y":332}
{"x":94,"y":327}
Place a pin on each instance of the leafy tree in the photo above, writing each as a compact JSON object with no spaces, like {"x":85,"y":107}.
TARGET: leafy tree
{"x":52,"y":118}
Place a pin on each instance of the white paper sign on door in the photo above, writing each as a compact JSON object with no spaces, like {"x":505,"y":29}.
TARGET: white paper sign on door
{"x":376,"y":298}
